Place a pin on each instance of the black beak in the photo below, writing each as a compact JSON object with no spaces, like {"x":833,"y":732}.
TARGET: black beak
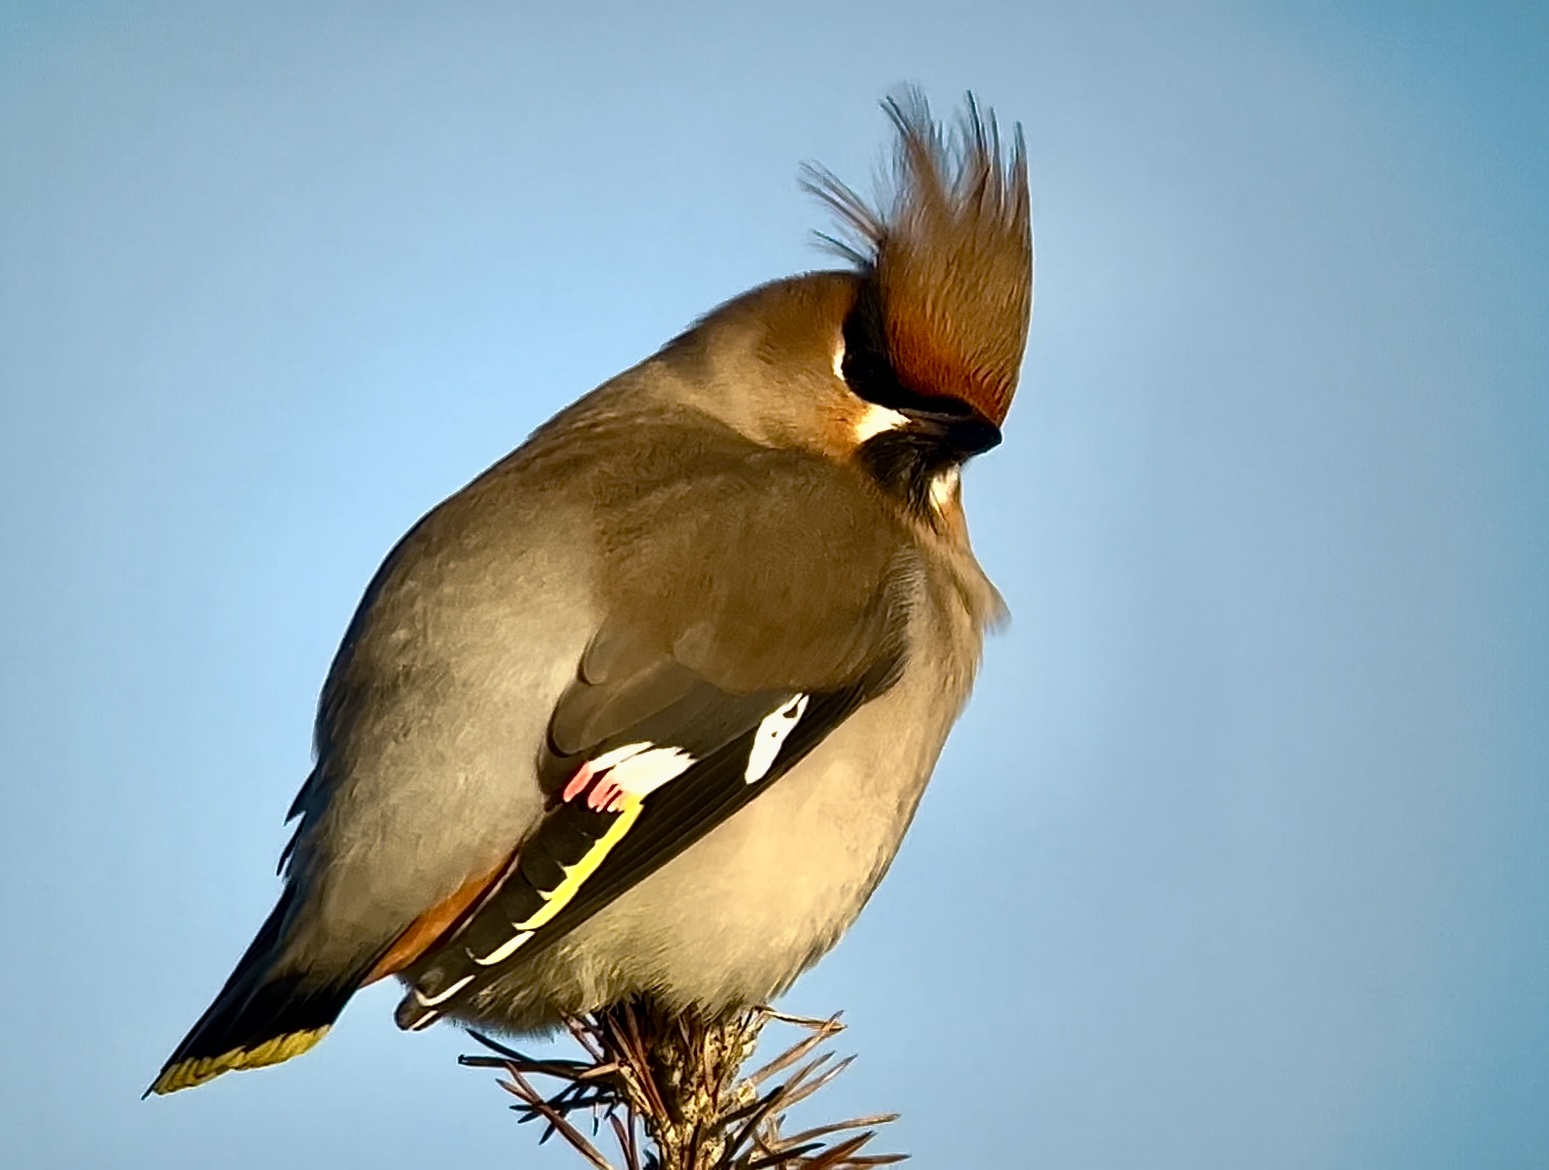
{"x":959,"y":428}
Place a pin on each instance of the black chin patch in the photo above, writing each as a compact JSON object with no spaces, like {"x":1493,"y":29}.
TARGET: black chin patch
{"x":942,"y":432}
{"x":905,"y":461}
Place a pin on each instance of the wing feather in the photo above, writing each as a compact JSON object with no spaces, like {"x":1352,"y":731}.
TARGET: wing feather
{"x":580,"y":859}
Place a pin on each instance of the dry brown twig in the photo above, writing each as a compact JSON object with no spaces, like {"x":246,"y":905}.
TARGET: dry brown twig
{"x":670,"y":1091}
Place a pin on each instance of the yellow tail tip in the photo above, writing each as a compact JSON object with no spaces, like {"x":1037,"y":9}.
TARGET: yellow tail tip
{"x":185,"y":1074}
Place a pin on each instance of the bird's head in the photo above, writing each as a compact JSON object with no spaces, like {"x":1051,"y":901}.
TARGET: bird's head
{"x":907,"y":362}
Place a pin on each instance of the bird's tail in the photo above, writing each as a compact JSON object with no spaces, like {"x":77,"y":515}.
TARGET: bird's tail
{"x":262,"y":1016}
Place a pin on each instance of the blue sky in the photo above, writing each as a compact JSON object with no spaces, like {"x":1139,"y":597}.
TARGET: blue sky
{"x":1237,"y":858}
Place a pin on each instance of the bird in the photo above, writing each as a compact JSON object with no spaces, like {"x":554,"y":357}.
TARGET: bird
{"x":647,"y":707}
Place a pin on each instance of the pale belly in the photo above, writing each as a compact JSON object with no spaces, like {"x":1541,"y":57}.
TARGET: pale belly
{"x":736,"y":917}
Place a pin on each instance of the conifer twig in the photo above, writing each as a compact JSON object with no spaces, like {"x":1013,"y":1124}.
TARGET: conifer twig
{"x":672,"y":1095}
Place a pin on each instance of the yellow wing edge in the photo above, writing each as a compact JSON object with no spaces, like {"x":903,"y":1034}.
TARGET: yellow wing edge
{"x":185,"y":1074}
{"x":559,"y":897}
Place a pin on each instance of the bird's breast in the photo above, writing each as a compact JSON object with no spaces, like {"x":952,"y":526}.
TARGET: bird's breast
{"x":736,"y":917}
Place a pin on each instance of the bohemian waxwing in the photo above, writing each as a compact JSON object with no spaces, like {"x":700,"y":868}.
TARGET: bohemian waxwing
{"x":648,"y":706}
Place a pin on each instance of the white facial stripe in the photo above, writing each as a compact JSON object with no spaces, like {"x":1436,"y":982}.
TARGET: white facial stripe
{"x":839,"y":359}
{"x":644,"y":772}
{"x":943,"y":487}
{"x":769,"y":737}
{"x":503,"y":951}
{"x":875,"y":420}
{"x":433,"y":1000}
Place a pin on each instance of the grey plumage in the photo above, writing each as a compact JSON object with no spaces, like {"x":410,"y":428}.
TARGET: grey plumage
{"x":761,"y":520}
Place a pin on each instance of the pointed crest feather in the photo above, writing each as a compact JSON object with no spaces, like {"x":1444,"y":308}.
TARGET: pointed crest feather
{"x":950,"y":250}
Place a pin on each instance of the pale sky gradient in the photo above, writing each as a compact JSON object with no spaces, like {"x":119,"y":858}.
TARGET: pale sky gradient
{"x":1237,"y":860}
